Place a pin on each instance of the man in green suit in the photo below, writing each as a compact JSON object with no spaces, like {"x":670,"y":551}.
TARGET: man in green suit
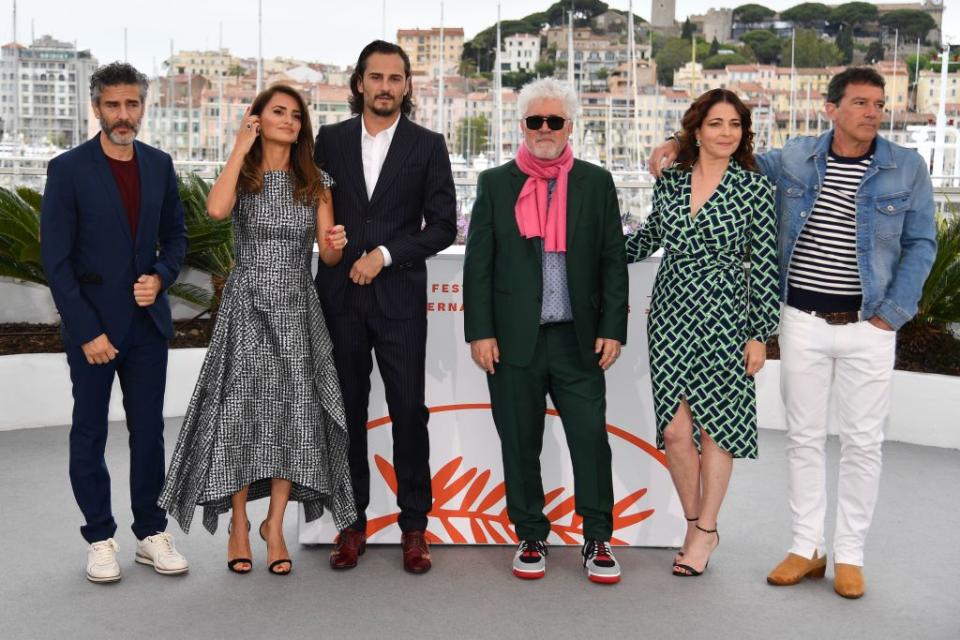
{"x":545,"y":301}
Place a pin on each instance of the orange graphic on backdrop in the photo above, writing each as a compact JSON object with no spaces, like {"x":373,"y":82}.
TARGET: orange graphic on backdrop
{"x":490,"y":523}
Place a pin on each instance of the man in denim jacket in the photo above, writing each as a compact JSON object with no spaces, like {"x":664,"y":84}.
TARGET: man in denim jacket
{"x":857,"y":238}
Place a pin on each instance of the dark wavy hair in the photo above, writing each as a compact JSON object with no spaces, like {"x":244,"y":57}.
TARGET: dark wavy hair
{"x":308,"y":188}
{"x":693,"y":120}
{"x":388,"y":48}
{"x":114,"y":74}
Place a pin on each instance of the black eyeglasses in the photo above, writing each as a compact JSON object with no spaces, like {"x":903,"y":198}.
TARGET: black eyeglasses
{"x":555,"y":123}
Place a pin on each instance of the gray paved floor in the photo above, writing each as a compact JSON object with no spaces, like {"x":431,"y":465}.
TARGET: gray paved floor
{"x":913,"y":568}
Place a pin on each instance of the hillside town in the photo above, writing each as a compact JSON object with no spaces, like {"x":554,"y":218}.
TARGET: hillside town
{"x":634,"y":80}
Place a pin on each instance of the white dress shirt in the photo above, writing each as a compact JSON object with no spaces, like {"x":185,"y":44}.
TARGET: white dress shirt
{"x":373,"y":151}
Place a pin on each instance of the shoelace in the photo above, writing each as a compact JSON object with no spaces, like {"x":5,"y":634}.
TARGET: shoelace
{"x":533,"y":547}
{"x":103,"y":552}
{"x":603,"y":550}
{"x":597,"y":550}
{"x":165,"y":540}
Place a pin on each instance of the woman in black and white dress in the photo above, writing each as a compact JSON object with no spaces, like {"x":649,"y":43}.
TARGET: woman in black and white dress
{"x":266,"y":417}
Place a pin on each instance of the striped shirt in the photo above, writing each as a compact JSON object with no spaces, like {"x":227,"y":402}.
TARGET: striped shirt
{"x":824,"y":274}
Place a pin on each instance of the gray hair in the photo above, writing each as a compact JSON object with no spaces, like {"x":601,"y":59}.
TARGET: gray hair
{"x":548,"y":88}
{"x":117,"y":73}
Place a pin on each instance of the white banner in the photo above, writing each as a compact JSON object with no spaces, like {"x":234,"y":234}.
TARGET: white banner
{"x":468,"y":490}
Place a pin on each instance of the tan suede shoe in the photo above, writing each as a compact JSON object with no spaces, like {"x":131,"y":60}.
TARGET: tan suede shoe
{"x":794,"y":569}
{"x":848,"y":580}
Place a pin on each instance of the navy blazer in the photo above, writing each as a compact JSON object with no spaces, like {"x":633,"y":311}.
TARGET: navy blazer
{"x":413,"y":212}
{"x":89,"y":257}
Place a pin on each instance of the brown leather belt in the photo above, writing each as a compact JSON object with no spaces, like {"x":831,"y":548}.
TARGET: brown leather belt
{"x":835,"y":317}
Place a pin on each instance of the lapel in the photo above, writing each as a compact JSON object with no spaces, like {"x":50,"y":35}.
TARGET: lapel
{"x":145,"y":186}
{"x":575,"y":194}
{"x":517,"y":180}
{"x":399,"y":149}
{"x":102,"y":169}
{"x":353,"y":157}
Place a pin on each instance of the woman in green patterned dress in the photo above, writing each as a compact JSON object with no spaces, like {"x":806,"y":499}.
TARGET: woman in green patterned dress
{"x":714,"y":304}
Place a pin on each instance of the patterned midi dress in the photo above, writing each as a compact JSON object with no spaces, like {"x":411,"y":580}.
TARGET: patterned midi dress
{"x":267,"y":403}
{"x":716,"y":288}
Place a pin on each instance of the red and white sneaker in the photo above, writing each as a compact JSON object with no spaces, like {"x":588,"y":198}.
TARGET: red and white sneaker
{"x":599,"y":562}
{"x":530,"y":560}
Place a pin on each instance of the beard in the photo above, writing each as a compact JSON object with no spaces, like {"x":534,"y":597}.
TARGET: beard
{"x":385,"y":112}
{"x":546,"y":149}
{"x":110,"y":128}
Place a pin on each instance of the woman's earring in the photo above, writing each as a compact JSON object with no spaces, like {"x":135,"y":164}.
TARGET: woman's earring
{"x":698,"y":142}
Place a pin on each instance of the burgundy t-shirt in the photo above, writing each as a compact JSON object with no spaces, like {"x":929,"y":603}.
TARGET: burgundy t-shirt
{"x":127,"y":175}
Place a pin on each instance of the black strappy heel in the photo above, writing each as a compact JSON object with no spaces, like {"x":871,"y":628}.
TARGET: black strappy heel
{"x":232,"y":564}
{"x":272,"y":567}
{"x":690,"y":572}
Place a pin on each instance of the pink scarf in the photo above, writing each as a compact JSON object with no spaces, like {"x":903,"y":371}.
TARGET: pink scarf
{"x":534,"y":219}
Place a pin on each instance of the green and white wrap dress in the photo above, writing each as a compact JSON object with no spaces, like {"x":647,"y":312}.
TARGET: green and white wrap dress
{"x":716,"y":288}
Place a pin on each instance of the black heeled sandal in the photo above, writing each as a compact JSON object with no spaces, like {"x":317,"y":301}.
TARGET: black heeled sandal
{"x":232,"y":564}
{"x":680,"y":553}
{"x":687,"y":570}
{"x":272,"y":567}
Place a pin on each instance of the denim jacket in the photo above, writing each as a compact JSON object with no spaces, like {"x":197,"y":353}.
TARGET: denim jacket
{"x":896,"y":230}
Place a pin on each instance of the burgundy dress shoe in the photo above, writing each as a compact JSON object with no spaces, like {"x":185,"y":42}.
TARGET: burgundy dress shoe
{"x":349,"y":546}
{"x":416,"y":552}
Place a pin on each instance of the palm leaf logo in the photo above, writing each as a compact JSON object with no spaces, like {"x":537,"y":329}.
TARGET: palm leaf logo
{"x":485,"y":512}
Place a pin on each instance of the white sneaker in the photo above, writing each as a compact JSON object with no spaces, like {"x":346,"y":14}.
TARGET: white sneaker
{"x":158,"y":551}
{"x":102,"y":565}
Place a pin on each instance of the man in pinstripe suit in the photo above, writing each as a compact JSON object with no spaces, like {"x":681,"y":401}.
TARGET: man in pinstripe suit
{"x":396,"y":198}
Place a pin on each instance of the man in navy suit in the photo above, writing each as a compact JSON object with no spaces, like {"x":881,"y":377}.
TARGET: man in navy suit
{"x":396,"y":198}
{"x":113,"y":240}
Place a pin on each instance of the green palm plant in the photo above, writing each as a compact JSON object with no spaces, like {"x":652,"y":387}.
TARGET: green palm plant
{"x":20,"y":235}
{"x":940,"y":302}
{"x":209,"y":247}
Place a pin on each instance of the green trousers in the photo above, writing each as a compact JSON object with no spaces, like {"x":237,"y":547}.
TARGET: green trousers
{"x":518,"y":396}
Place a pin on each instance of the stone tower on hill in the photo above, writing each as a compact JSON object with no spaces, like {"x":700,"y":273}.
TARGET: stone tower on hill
{"x":663,"y":13}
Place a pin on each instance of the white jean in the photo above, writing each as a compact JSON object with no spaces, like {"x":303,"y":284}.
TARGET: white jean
{"x":854,"y":362}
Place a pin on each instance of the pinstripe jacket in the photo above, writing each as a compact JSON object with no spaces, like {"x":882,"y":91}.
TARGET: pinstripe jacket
{"x":412,"y":212}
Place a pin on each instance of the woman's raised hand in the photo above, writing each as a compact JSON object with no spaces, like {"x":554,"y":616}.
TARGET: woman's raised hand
{"x":249,"y":130}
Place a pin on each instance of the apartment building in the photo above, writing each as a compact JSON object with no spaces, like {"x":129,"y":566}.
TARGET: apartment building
{"x":521,"y":52}
{"x":44,"y":92}
{"x":423,"y":48}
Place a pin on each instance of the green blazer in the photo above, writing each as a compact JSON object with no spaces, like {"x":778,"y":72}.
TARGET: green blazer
{"x":502,"y":271}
